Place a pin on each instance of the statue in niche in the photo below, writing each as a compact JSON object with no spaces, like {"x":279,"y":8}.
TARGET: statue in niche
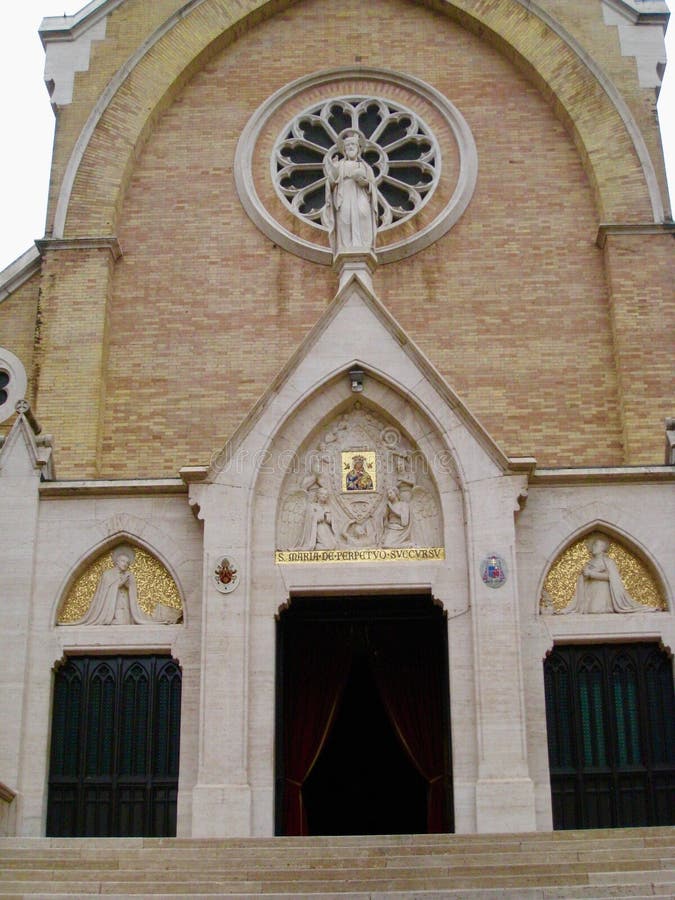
{"x":350,"y":213}
{"x":600,"y":588}
{"x":360,"y":486}
{"x":397,"y":521}
{"x":317,"y":533}
{"x":115,"y":600}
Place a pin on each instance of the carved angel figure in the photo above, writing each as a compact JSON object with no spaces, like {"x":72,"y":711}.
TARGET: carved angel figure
{"x":318,"y":468}
{"x":397,"y":521}
{"x":115,"y":601}
{"x":599,"y":586}
{"x":350,"y":212}
{"x":317,"y":532}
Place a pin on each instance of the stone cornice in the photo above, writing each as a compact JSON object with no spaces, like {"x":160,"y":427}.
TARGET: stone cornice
{"x":643,"y":12}
{"x":198,"y":474}
{"x":622,"y":229}
{"x":112,"y":488}
{"x":69,"y":28}
{"x":18,"y":272}
{"x":602,"y":475}
{"x":194,"y":474}
{"x":84,"y":243}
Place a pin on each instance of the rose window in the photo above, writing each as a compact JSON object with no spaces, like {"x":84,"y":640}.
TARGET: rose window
{"x":398,"y":146}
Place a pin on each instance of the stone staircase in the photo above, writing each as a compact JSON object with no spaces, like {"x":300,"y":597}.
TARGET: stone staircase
{"x":630,"y":862}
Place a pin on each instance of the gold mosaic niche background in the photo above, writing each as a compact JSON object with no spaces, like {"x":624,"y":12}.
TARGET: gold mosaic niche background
{"x":561,"y":581}
{"x":153,"y":582}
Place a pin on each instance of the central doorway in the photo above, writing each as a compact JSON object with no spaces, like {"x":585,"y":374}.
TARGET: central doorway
{"x":362,"y":726}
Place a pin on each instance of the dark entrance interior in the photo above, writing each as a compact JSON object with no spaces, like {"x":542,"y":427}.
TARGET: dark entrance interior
{"x":610,"y":712}
{"x":115,"y":743}
{"x":363,"y":740}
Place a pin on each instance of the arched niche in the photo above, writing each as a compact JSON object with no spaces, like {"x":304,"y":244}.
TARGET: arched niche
{"x":148,"y":593}
{"x":325,"y":433}
{"x":97,"y":173}
{"x":566,"y":587}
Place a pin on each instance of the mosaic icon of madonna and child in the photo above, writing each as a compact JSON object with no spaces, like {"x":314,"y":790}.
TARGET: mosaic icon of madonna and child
{"x":359,"y":472}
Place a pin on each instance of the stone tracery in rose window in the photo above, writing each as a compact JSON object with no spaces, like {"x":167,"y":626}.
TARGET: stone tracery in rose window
{"x":399,"y":147}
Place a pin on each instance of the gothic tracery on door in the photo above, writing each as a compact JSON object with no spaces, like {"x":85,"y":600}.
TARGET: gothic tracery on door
{"x":610,"y":714}
{"x":115,"y":747}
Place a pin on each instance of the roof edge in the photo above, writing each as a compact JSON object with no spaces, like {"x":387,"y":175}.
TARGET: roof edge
{"x":18,"y":272}
{"x":68,"y":28}
{"x":642,"y":12}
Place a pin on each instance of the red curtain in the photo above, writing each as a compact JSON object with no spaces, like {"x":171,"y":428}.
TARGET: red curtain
{"x":409,"y":669}
{"x":317,"y":663}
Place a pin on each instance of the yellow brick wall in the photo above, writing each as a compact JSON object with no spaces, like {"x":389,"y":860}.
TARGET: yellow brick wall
{"x":19,"y":328}
{"x":585,"y":22}
{"x":126,"y":28}
{"x":641,"y":272}
{"x":136,"y":20}
{"x":72,"y":354}
{"x":511,"y":305}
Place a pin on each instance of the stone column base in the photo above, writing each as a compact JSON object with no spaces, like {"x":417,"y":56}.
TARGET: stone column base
{"x":221,"y":811}
{"x":505,"y":805}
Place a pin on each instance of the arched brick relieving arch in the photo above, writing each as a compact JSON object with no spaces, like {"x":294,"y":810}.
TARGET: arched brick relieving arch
{"x":97,"y":173}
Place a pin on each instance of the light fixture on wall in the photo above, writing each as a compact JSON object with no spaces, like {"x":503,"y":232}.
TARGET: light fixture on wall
{"x":356,"y":379}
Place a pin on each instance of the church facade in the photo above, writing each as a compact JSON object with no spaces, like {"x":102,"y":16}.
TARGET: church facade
{"x":334,"y":495}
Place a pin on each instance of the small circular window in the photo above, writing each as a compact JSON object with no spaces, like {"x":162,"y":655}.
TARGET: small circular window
{"x":4,"y":382}
{"x":397,"y":145}
{"x":13,"y":383}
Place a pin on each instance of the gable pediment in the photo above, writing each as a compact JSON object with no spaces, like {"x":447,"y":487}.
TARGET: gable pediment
{"x":358,"y":332}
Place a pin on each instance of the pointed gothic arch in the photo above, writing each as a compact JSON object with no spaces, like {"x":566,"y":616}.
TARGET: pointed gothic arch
{"x":87,"y":570}
{"x":652,"y":571}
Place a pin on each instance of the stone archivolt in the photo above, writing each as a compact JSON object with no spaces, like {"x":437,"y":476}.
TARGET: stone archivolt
{"x":360,"y":485}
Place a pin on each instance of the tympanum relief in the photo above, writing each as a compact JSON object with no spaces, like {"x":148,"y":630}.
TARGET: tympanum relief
{"x":361,"y":492}
{"x":598,"y":575}
{"x":125,"y":586}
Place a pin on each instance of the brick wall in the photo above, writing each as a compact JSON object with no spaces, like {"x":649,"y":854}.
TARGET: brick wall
{"x":513,"y":305}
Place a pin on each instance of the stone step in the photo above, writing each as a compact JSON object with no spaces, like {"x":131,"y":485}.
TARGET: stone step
{"x":304,"y":884}
{"x":604,"y":837}
{"x":222,"y":862}
{"x":629,"y":863}
{"x":122,"y":870}
{"x":586,"y":892}
{"x":80,"y":847}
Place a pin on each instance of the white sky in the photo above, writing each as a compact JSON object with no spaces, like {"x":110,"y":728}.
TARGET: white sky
{"x":26,"y":138}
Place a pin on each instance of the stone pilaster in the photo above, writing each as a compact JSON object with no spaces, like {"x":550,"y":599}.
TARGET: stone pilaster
{"x":23,"y":458}
{"x":504,"y":790}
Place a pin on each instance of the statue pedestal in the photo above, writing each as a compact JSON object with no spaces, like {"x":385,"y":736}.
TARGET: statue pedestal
{"x":360,"y":263}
